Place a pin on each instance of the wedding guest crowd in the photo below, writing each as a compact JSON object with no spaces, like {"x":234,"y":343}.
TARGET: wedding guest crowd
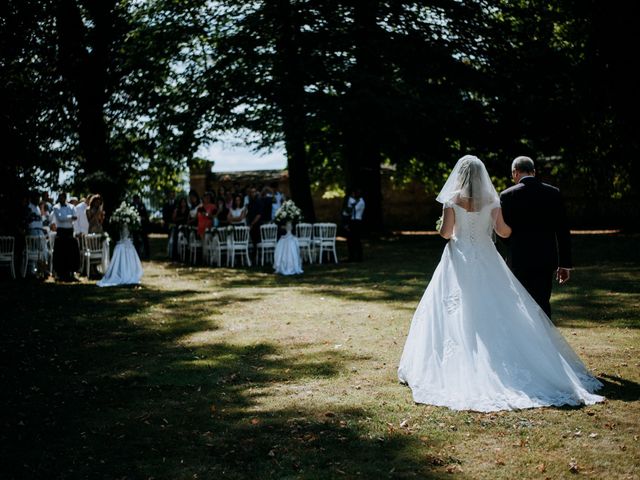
{"x":252,"y":206}
{"x":60,"y":225}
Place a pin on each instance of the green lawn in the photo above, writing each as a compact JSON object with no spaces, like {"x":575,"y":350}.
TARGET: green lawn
{"x":220,"y":373}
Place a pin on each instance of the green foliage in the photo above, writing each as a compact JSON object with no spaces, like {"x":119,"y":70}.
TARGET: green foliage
{"x":124,"y":92}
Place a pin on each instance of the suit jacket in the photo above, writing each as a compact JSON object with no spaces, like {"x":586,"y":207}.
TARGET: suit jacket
{"x":540,"y":235}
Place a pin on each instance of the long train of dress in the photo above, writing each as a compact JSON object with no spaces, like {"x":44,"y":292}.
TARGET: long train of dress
{"x":478,"y":341}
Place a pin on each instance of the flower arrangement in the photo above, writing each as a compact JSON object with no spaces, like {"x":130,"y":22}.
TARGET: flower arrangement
{"x":126,"y":215}
{"x":288,"y":212}
{"x":439,"y":224}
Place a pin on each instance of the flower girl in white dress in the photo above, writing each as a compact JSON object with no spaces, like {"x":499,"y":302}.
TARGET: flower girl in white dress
{"x":478,"y":341}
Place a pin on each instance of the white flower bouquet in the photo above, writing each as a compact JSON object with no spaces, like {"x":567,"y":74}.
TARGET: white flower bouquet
{"x":288,"y":212}
{"x":126,"y":215}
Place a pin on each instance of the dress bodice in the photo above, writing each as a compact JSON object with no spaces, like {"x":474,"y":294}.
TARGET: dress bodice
{"x":473,"y":228}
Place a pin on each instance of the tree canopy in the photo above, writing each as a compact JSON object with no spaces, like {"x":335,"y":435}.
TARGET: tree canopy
{"x":123,"y":93}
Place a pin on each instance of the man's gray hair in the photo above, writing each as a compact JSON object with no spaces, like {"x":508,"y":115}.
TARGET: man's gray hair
{"x":523,"y":164}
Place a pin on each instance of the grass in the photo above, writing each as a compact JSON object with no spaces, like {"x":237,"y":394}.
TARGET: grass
{"x":219,"y":373}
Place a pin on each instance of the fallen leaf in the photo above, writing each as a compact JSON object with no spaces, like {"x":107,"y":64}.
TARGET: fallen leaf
{"x":255,"y":421}
{"x":593,"y":435}
{"x":573,"y":466}
{"x":541,"y":468}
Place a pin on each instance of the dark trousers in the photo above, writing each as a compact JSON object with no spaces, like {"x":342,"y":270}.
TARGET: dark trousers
{"x":141,"y":243}
{"x":66,"y":258}
{"x":354,"y":240}
{"x":538,"y":282}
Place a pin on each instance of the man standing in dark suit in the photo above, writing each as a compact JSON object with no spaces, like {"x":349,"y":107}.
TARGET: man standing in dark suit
{"x":540,"y":242}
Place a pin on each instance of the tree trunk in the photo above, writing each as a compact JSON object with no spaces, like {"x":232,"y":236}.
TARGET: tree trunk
{"x":290,"y":99}
{"x":362,"y":116}
{"x":84,"y":63}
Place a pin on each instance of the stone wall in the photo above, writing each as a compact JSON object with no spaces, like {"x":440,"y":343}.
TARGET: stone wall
{"x":406,"y":207}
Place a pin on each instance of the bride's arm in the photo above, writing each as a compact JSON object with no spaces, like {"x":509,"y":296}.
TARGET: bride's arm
{"x":499,"y":224}
{"x":448,"y":221}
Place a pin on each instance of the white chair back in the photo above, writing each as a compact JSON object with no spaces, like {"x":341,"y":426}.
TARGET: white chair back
{"x":36,"y":246}
{"x":240,"y":245}
{"x":325,"y":231}
{"x":95,"y":249}
{"x":194,"y":244}
{"x":267,"y":244}
{"x":324,"y":240}
{"x":7,"y":246}
{"x":92,"y":244}
{"x":183,"y":242}
{"x":240,"y":235}
{"x":35,"y":250}
{"x":223,"y":233}
{"x":50,"y":245}
{"x":268,"y":233}
{"x":304,"y":231}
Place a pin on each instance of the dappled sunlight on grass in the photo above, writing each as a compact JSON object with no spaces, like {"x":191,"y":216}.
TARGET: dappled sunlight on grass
{"x":238,"y":373}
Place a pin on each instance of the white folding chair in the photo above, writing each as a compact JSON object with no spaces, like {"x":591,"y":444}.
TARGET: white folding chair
{"x":224,"y":245}
{"x":106,"y":252}
{"x":35,"y":250}
{"x":195,"y":244}
{"x":240,"y":245}
{"x":50,"y":243}
{"x":324,"y":240}
{"x":92,"y":252}
{"x":304,"y":232}
{"x":206,"y":246}
{"x":170,"y":240}
{"x":7,"y":245}
{"x":211,"y":250}
{"x":183,"y":243}
{"x":267,"y":244}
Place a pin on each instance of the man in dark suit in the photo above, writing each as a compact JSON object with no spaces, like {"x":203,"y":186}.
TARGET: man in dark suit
{"x":540,"y":243}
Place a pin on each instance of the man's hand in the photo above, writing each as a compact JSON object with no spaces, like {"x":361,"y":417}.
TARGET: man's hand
{"x":563,"y":275}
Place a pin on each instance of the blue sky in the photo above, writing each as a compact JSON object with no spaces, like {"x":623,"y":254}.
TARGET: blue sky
{"x":230,"y":158}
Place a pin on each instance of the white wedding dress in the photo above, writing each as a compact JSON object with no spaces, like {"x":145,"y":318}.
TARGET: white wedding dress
{"x":478,"y":341}
{"x":125,"y":267}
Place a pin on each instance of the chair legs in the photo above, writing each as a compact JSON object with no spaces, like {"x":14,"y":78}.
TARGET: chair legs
{"x":25,"y":264}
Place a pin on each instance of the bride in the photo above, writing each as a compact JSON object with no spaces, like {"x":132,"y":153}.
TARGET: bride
{"x":478,"y":341}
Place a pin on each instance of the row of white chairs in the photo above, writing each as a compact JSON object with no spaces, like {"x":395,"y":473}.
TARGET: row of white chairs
{"x":94,"y":249}
{"x":316,"y":241}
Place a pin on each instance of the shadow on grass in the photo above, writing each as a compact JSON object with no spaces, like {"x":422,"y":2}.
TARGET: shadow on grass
{"x":99,"y":384}
{"x":601,"y":295}
{"x":618,"y":388}
{"x":603,"y":288}
{"x":395,"y":269}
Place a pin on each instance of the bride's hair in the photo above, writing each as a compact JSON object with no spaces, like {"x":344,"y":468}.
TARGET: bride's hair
{"x":469,"y":184}
{"x":469,"y":172}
